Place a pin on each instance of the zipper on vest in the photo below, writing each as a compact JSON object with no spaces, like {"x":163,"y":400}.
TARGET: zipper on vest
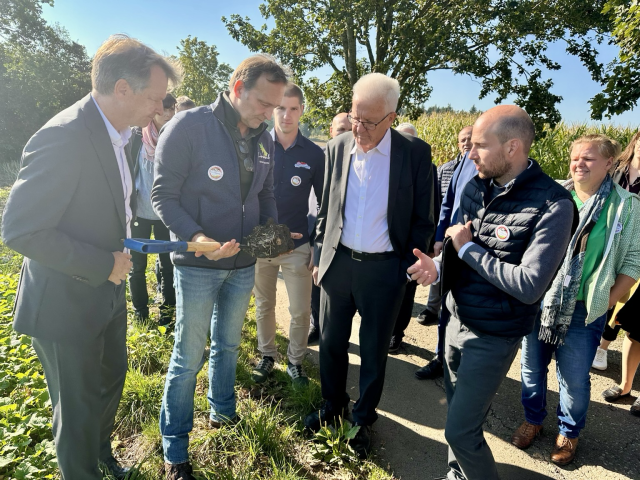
{"x":235,"y":260}
{"x":489,"y":204}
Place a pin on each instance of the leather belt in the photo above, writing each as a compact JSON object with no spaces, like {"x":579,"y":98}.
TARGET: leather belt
{"x":363,"y":256}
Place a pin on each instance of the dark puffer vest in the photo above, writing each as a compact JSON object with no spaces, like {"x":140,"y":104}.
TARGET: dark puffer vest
{"x":476,"y":302}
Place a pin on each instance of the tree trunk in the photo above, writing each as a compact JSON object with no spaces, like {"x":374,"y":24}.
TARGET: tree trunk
{"x":350,"y":54}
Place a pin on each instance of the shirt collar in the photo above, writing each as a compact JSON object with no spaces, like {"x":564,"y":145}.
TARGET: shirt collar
{"x":119,"y":139}
{"x":231,"y":118}
{"x":384,"y":147}
{"x":508,"y":184}
{"x":275,"y":138}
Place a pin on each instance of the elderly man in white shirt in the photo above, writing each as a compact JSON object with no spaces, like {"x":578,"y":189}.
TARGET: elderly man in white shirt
{"x":377,"y":203}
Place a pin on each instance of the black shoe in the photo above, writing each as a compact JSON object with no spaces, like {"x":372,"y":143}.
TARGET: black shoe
{"x":115,"y":469}
{"x":226,"y":422}
{"x":263,"y":370}
{"x":180,"y":471}
{"x":141,"y":318}
{"x":614,"y":393}
{"x":314,"y":335}
{"x":394,"y":345}
{"x":166,"y":315}
{"x":431,"y":370}
{"x":361,"y":443}
{"x":427,"y":318}
{"x":318,"y":418}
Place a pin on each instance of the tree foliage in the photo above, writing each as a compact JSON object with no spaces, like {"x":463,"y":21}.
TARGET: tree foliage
{"x":204,"y":76}
{"x":622,"y":80}
{"x":41,"y":73}
{"x":502,"y":43}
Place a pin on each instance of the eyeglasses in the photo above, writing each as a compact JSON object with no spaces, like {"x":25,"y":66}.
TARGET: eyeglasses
{"x":244,"y":149}
{"x":366,"y":125}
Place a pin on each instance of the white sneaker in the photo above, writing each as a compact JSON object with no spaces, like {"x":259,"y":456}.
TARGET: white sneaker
{"x":600,"y":361}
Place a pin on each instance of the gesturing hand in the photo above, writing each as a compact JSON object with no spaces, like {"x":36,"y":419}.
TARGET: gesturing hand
{"x":121,"y":267}
{"x":228,"y":249}
{"x":424,"y":270}
{"x":460,"y":234}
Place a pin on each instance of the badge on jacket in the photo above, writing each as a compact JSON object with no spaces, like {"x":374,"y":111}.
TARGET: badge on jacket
{"x":295,"y":181}
{"x":502,"y":233}
{"x":216,"y":173}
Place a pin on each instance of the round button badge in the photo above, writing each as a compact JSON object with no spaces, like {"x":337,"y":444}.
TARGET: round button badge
{"x":295,"y":181}
{"x":216,"y":173}
{"x":502,"y":233}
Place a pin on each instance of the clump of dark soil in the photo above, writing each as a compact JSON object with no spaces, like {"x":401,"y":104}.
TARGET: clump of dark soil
{"x":268,"y":240}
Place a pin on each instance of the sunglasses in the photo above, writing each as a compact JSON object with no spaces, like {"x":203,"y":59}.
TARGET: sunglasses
{"x":244,"y":149}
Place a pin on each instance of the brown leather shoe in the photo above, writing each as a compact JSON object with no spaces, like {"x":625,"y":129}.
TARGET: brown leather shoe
{"x":564,"y":450}
{"x":526,"y":433}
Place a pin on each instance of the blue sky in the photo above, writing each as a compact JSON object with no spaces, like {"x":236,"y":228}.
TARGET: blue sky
{"x":163,"y":23}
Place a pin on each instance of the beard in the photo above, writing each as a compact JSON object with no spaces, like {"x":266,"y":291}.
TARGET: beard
{"x":499,"y":167}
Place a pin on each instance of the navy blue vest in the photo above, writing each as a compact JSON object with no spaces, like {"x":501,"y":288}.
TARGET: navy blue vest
{"x":477,"y":303}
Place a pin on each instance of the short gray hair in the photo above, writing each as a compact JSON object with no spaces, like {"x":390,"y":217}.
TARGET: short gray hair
{"x":378,"y":86}
{"x":123,"y":57}
{"x":408,"y":126}
{"x":508,"y":127}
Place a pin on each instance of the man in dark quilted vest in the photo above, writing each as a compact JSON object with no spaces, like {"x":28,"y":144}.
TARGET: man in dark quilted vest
{"x":515,"y":226}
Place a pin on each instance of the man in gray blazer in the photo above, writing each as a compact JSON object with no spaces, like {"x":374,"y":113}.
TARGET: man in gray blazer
{"x":68,"y":213}
{"x":377,"y":205}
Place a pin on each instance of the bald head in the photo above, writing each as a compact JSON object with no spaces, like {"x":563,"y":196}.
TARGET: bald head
{"x":464,"y":139}
{"x":509,"y":122}
{"x":501,"y":139}
{"x":340,"y":124}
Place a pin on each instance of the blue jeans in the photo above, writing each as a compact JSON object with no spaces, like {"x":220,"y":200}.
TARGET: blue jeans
{"x":573,"y":361}
{"x":211,"y":302}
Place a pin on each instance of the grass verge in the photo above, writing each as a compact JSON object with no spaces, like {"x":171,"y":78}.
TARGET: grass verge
{"x":268,"y":443}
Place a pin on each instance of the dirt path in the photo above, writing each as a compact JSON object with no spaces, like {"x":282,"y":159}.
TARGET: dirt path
{"x":409,"y":436}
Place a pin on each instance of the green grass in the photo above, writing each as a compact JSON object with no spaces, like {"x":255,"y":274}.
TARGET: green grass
{"x":268,"y":443}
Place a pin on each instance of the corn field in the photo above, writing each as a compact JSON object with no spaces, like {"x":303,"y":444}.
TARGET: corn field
{"x":440,"y":130}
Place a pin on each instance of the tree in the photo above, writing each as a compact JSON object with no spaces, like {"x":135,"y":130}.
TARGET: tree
{"x":204,"y":77}
{"x":41,"y":73}
{"x":502,"y":43}
{"x":21,"y":21}
{"x":622,"y":80}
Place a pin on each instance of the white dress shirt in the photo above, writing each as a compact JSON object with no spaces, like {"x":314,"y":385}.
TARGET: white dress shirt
{"x":365,"y":215}
{"x":119,"y":140}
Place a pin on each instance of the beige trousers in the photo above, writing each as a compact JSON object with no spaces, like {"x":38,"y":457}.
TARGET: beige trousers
{"x":297,"y":279}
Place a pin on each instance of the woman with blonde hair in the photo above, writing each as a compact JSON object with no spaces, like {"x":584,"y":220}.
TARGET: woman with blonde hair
{"x":627,"y":175}
{"x":601,"y":264}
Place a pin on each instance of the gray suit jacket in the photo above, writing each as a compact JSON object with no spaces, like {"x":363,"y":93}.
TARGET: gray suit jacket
{"x":66,"y":214}
{"x":410,"y":203}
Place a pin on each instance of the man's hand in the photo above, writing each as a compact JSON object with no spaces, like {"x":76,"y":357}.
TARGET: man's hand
{"x":424,"y":270}
{"x":229,"y":249}
{"x":460,"y":234}
{"x":315,"y":276}
{"x":437,"y":248}
{"x":296,"y":236}
{"x":121,"y":267}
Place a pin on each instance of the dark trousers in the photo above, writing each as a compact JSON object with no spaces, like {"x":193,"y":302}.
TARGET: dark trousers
{"x":475,"y":366}
{"x":374,"y":289}
{"x":315,"y":306}
{"x":85,"y":380}
{"x":142,"y":228}
{"x":443,"y":320}
{"x":406,"y":309}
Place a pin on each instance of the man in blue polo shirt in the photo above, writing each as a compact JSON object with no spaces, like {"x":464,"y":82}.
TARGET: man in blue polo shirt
{"x":299,"y":165}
